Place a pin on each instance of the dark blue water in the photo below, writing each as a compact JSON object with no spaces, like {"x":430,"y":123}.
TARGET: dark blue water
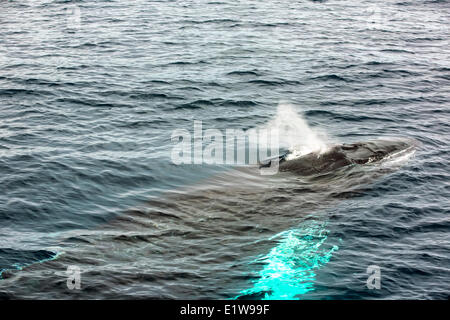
{"x":91,"y":91}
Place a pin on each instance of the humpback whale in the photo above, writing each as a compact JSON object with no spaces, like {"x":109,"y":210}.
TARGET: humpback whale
{"x":339,"y":156}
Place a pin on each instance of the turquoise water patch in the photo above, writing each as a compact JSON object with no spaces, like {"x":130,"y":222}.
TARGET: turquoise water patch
{"x":11,"y":259}
{"x":290,"y":267}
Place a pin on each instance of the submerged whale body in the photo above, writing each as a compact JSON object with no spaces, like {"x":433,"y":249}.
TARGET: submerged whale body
{"x":339,"y":156}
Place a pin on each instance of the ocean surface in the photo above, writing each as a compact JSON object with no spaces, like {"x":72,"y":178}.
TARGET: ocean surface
{"x":92,"y":91}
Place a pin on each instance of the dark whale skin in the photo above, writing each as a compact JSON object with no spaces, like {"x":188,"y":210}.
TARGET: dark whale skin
{"x":339,"y":156}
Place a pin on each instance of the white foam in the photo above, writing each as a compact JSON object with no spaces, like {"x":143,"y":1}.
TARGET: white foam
{"x":398,"y":158}
{"x":294,"y":132}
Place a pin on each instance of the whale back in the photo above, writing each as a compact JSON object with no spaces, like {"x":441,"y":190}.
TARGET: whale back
{"x":339,"y":156}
